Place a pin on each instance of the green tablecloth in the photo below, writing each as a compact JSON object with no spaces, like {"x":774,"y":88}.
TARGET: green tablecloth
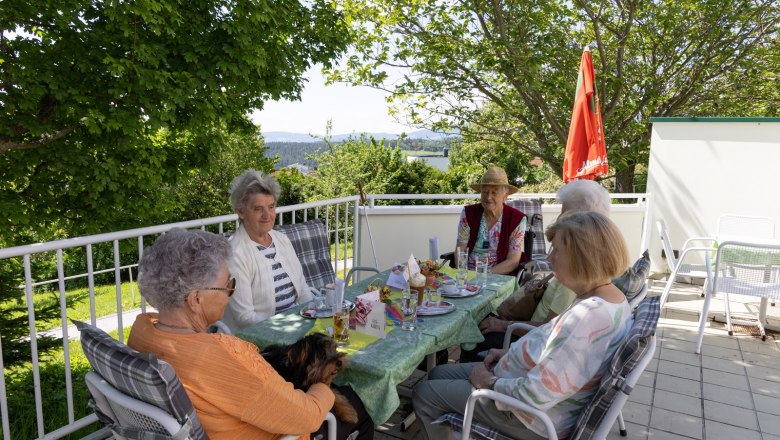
{"x":375,"y":371}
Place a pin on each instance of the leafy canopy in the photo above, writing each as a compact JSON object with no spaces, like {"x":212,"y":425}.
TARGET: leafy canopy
{"x":504,"y":72}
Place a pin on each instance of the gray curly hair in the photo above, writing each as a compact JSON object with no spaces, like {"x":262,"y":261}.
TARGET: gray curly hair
{"x":250,"y":183}
{"x":179,"y":262}
{"x":584,"y":195}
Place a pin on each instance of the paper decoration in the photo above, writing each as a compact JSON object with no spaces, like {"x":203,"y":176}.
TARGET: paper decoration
{"x":398,"y":278}
{"x":370,"y":314}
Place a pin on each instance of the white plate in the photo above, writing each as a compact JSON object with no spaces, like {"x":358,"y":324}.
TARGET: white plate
{"x":444,"y":308}
{"x":327,"y":313}
{"x":462,"y":293}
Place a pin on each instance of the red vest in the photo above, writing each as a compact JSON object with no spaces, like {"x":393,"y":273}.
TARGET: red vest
{"x":510,"y":219}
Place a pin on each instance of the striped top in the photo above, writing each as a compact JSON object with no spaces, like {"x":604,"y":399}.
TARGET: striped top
{"x":284,"y":291}
{"x":557,"y":367}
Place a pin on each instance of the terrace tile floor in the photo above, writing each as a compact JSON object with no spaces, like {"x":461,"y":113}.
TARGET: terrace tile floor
{"x":731,"y":391}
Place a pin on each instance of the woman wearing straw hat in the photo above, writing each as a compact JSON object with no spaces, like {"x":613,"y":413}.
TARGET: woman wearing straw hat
{"x":492,"y":228}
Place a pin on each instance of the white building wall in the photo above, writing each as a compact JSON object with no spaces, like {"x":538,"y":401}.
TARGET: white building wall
{"x":702,"y":168}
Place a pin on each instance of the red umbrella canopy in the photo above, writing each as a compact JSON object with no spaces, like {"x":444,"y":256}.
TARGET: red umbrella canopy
{"x":586,"y":152}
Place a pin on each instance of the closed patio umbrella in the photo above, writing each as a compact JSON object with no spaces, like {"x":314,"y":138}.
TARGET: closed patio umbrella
{"x":586,"y":152}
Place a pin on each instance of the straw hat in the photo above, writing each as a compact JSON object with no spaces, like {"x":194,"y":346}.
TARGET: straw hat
{"x":494,"y":176}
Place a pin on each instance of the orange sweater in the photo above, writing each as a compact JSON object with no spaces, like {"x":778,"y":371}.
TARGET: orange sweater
{"x":236,"y":393}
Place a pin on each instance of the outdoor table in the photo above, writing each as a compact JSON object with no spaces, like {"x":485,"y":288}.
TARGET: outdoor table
{"x":375,"y":370}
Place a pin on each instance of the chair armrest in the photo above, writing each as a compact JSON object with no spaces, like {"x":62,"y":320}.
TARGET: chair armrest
{"x":354,"y":269}
{"x":511,"y":328}
{"x":330,"y":419}
{"x":468,"y":414}
{"x":710,"y":240}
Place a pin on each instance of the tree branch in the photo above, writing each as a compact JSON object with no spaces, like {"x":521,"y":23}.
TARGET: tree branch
{"x":7,"y":145}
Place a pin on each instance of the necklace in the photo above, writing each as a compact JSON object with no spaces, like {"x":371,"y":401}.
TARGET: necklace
{"x":591,"y":291}
{"x":175,"y":327}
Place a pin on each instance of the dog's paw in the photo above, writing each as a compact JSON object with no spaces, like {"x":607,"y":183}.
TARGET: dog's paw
{"x":343,"y":409}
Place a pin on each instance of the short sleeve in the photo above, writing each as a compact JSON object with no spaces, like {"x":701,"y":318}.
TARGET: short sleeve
{"x":517,"y":237}
{"x":562,"y":298}
{"x":463,"y":228}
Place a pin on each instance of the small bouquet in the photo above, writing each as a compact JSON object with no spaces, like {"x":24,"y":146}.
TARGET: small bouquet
{"x":384,"y":291}
{"x":429,"y":267}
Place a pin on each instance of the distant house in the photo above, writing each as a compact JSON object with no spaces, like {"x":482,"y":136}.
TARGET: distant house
{"x":303,"y":169}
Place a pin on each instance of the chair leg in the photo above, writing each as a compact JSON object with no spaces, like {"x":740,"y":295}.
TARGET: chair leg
{"x":668,"y":287}
{"x":703,"y":319}
{"x":622,"y":425}
{"x":728,"y":314}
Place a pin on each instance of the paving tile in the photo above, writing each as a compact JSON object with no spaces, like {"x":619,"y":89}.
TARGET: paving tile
{"x":730,"y":414}
{"x":647,"y":379}
{"x":720,"y":352}
{"x":761,"y":359}
{"x":769,"y":423}
{"x":636,"y":413}
{"x":755,"y":345}
{"x":720,"y":431}
{"x":722,"y":341}
{"x":683,"y":357}
{"x":727,"y":365}
{"x":675,"y":423}
{"x":722,"y":378}
{"x":730,"y":396}
{"x":688,"y":346}
{"x":634,"y":431}
{"x":677,"y":369}
{"x":765,"y":387}
{"x":678,"y":403}
{"x":657,"y":434}
{"x":767,"y":404}
{"x":641,"y":394}
{"x":770,"y":436}
{"x":678,"y":385}
{"x":765,"y":373}
{"x":653,"y":364}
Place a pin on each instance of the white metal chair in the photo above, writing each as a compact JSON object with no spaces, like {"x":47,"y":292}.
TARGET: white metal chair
{"x":743,"y":268}
{"x":678,"y":266}
{"x":596,"y":420}
{"x":129,"y":416}
{"x":745,"y":226}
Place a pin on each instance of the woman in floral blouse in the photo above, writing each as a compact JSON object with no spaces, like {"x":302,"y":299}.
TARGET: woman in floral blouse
{"x":556,"y":367}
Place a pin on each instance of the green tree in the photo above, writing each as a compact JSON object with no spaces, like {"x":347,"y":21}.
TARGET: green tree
{"x":504,"y":72}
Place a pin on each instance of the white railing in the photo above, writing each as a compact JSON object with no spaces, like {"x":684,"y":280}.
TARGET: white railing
{"x":341,"y":217}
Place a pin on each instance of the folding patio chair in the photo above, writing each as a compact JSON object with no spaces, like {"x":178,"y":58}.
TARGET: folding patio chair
{"x":136,"y":394}
{"x":310,"y":241}
{"x":596,"y":419}
{"x":743,"y":268}
{"x":678,"y":266}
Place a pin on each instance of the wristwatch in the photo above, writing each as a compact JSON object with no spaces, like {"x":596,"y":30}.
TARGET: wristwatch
{"x":492,"y":383}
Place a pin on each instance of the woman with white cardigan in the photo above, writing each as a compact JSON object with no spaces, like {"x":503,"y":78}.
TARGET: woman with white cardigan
{"x":269,"y":277}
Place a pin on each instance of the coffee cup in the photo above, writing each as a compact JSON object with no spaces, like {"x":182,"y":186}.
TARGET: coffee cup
{"x":449,"y":288}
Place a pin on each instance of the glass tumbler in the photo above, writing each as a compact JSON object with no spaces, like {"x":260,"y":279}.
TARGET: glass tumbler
{"x":463,"y":269}
{"x":409,"y":309}
{"x":341,"y":324}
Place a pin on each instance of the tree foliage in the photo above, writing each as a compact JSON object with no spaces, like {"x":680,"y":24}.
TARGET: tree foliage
{"x":505,"y":72}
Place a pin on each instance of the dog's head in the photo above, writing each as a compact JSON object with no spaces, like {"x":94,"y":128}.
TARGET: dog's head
{"x":308,"y":361}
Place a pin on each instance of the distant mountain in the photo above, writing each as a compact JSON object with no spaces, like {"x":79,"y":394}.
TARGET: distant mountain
{"x":288,"y":137}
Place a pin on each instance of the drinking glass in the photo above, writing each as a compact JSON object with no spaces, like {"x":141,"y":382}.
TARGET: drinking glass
{"x":463,"y":269}
{"x":409,"y":309}
{"x":341,"y":324}
{"x":482,"y":268}
{"x":320,"y":300}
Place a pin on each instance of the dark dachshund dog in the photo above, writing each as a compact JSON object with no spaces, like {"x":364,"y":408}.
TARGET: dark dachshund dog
{"x":310,"y":360}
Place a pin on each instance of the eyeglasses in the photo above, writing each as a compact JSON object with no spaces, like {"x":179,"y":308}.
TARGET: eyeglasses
{"x":229,"y":288}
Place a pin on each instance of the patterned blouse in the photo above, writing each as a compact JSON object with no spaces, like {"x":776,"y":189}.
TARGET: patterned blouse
{"x":284,"y":291}
{"x":515,"y":238}
{"x":558,"y":366}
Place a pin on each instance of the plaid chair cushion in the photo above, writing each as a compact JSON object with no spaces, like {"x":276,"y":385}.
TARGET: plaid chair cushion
{"x":478,"y":430}
{"x":533,"y":209}
{"x":310,"y":241}
{"x":633,"y":280}
{"x":139,"y":375}
{"x":634,"y":346}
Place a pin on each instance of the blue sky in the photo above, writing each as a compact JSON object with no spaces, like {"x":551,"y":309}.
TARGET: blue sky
{"x":352,"y":110}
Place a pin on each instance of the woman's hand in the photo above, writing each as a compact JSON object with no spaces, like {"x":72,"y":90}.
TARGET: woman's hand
{"x":480,"y":376}
{"x":493,"y":325}
{"x":492,"y":358}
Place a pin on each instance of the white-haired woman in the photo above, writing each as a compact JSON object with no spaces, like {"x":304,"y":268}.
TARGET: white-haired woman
{"x":492,"y":228}
{"x":236,"y":393}
{"x":558,"y":366}
{"x":269,"y":274}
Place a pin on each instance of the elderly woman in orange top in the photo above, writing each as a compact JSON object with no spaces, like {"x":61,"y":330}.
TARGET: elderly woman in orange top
{"x":236,"y":393}
{"x":492,"y":228}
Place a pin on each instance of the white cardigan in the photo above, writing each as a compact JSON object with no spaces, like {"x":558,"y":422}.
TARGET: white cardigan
{"x":254,"y":299}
